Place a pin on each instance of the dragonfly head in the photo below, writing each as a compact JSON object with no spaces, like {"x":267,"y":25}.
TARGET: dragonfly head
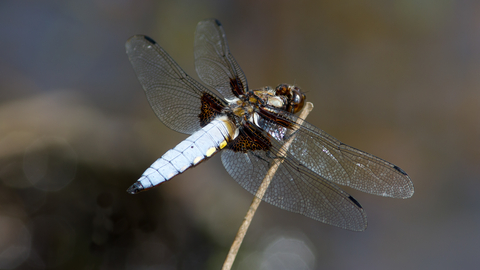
{"x":295,"y":98}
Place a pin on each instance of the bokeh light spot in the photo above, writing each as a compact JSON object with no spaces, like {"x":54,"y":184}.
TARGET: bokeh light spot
{"x":50,"y":163}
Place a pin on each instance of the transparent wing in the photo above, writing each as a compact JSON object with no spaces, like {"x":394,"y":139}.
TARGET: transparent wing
{"x":173,"y":95}
{"x":343,"y":164}
{"x":214,"y":63}
{"x":296,"y":189}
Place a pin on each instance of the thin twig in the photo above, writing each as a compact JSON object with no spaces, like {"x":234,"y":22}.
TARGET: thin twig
{"x":232,"y":254}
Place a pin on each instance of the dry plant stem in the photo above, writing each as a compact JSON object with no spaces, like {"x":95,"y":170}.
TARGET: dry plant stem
{"x":232,"y":254}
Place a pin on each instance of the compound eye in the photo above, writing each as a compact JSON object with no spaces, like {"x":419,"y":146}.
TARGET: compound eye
{"x":298,"y":100}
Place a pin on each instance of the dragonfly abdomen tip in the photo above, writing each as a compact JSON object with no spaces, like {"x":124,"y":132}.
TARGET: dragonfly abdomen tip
{"x":135,"y":188}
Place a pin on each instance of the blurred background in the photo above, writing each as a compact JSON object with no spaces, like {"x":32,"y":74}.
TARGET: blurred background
{"x":398,"y":79}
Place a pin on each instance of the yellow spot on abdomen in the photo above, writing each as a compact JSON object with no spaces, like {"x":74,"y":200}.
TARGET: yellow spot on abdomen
{"x":223,"y":144}
{"x":197,"y":160}
{"x":211,"y":151}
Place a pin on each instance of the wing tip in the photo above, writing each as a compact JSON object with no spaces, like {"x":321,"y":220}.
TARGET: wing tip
{"x":408,"y":190}
{"x":355,"y":202}
{"x":140,"y":37}
{"x":361,"y":228}
{"x":149,"y":39}
{"x":400,"y":170}
{"x":410,"y":193}
{"x":211,"y":20}
{"x":132,"y":42}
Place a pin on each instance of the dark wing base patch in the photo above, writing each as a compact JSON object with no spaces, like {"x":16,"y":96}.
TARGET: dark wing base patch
{"x":211,"y":107}
{"x":250,"y":138}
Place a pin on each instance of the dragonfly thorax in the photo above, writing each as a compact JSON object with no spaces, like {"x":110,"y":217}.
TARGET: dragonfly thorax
{"x":285,"y":97}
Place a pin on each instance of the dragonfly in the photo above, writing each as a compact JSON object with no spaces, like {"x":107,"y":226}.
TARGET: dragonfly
{"x":250,"y":127}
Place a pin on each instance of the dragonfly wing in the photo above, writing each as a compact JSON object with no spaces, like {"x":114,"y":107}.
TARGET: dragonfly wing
{"x":340,"y":163}
{"x":296,"y":189}
{"x":174,"y":96}
{"x":214,"y":63}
